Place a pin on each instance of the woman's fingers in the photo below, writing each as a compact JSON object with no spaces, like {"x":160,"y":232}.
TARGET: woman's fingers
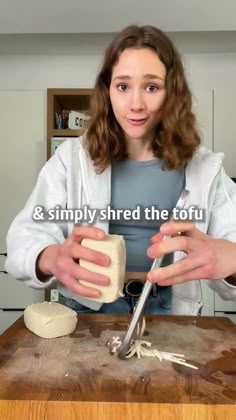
{"x":173,"y":227}
{"x":83,"y":231}
{"x":68,"y":272}
{"x":78,"y":288}
{"x":195,"y":274}
{"x":157,"y":238}
{"x":71,"y":273}
{"x":200,"y":259}
{"x":81,"y":252}
{"x":81,"y":273}
{"x":167,"y":246}
{"x":172,"y":271}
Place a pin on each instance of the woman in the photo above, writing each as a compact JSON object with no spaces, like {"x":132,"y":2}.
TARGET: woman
{"x":141,"y":148}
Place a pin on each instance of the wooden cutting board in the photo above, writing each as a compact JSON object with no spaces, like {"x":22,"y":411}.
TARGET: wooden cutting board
{"x":81,"y":368}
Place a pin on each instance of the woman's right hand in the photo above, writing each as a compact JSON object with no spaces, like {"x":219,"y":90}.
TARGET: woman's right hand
{"x":62,"y":261}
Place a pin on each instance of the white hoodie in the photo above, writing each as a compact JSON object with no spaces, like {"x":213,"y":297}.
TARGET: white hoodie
{"x":70,"y":181}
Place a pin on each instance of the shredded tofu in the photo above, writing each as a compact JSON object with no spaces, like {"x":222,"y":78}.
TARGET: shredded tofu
{"x":115,"y":344}
{"x":139,"y":348}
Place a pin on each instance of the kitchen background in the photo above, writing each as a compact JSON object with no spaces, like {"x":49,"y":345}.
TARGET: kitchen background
{"x":62,"y":47}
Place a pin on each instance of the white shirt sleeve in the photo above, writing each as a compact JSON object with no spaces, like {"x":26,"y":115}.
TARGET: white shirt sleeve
{"x":223,"y":226}
{"x":27,"y":237}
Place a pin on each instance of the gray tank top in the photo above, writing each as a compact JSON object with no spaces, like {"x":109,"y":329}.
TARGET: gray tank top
{"x":140,"y":185}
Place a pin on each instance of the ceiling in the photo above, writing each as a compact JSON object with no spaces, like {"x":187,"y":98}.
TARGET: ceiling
{"x":104,"y":16}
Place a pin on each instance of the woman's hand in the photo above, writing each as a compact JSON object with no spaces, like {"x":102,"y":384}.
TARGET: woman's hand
{"x":62,"y":261}
{"x":206,"y":257}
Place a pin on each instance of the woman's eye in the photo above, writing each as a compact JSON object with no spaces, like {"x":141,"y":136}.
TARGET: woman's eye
{"x":122,"y":88}
{"x":152,"y":88}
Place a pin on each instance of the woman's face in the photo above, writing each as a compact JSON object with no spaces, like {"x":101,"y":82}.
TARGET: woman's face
{"x":137,"y":92}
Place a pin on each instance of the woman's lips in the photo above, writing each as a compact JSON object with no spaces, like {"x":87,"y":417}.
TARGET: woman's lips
{"x":139,"y":121}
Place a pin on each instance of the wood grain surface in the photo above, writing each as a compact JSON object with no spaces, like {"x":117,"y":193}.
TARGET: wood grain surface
{"x":78,"y":377}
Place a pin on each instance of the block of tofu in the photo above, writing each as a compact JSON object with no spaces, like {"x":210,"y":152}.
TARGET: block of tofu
{"x":114,"y":246}
{"x":49,"y":319}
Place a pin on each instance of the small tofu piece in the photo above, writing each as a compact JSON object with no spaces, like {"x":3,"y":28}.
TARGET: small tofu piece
{"x":114,"y":247}
{"x":49,"y":319}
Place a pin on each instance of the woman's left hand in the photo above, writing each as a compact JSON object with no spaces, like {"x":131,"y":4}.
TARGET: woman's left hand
{"x":206,"y":257}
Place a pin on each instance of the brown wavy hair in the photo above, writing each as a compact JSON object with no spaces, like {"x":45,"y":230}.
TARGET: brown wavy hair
{"x":176,"y":134}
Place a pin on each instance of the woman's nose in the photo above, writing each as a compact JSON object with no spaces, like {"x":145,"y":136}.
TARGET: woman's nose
{"x":136,"y":102}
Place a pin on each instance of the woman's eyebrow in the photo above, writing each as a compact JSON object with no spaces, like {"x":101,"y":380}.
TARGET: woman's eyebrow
{"x":153,"y":76}
{"x":145,"y":76}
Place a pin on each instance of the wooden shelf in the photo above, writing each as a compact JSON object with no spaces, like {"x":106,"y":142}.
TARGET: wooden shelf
{"x":66,"y":133}
{"x":69,"y":100}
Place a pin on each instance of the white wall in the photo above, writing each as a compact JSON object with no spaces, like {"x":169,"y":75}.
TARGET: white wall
{"x":211,"y":70}
{"x":206,"y":72}
{"x":37,"y":72}
{"x":34,"y":72}
{"x":107,"y":16}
